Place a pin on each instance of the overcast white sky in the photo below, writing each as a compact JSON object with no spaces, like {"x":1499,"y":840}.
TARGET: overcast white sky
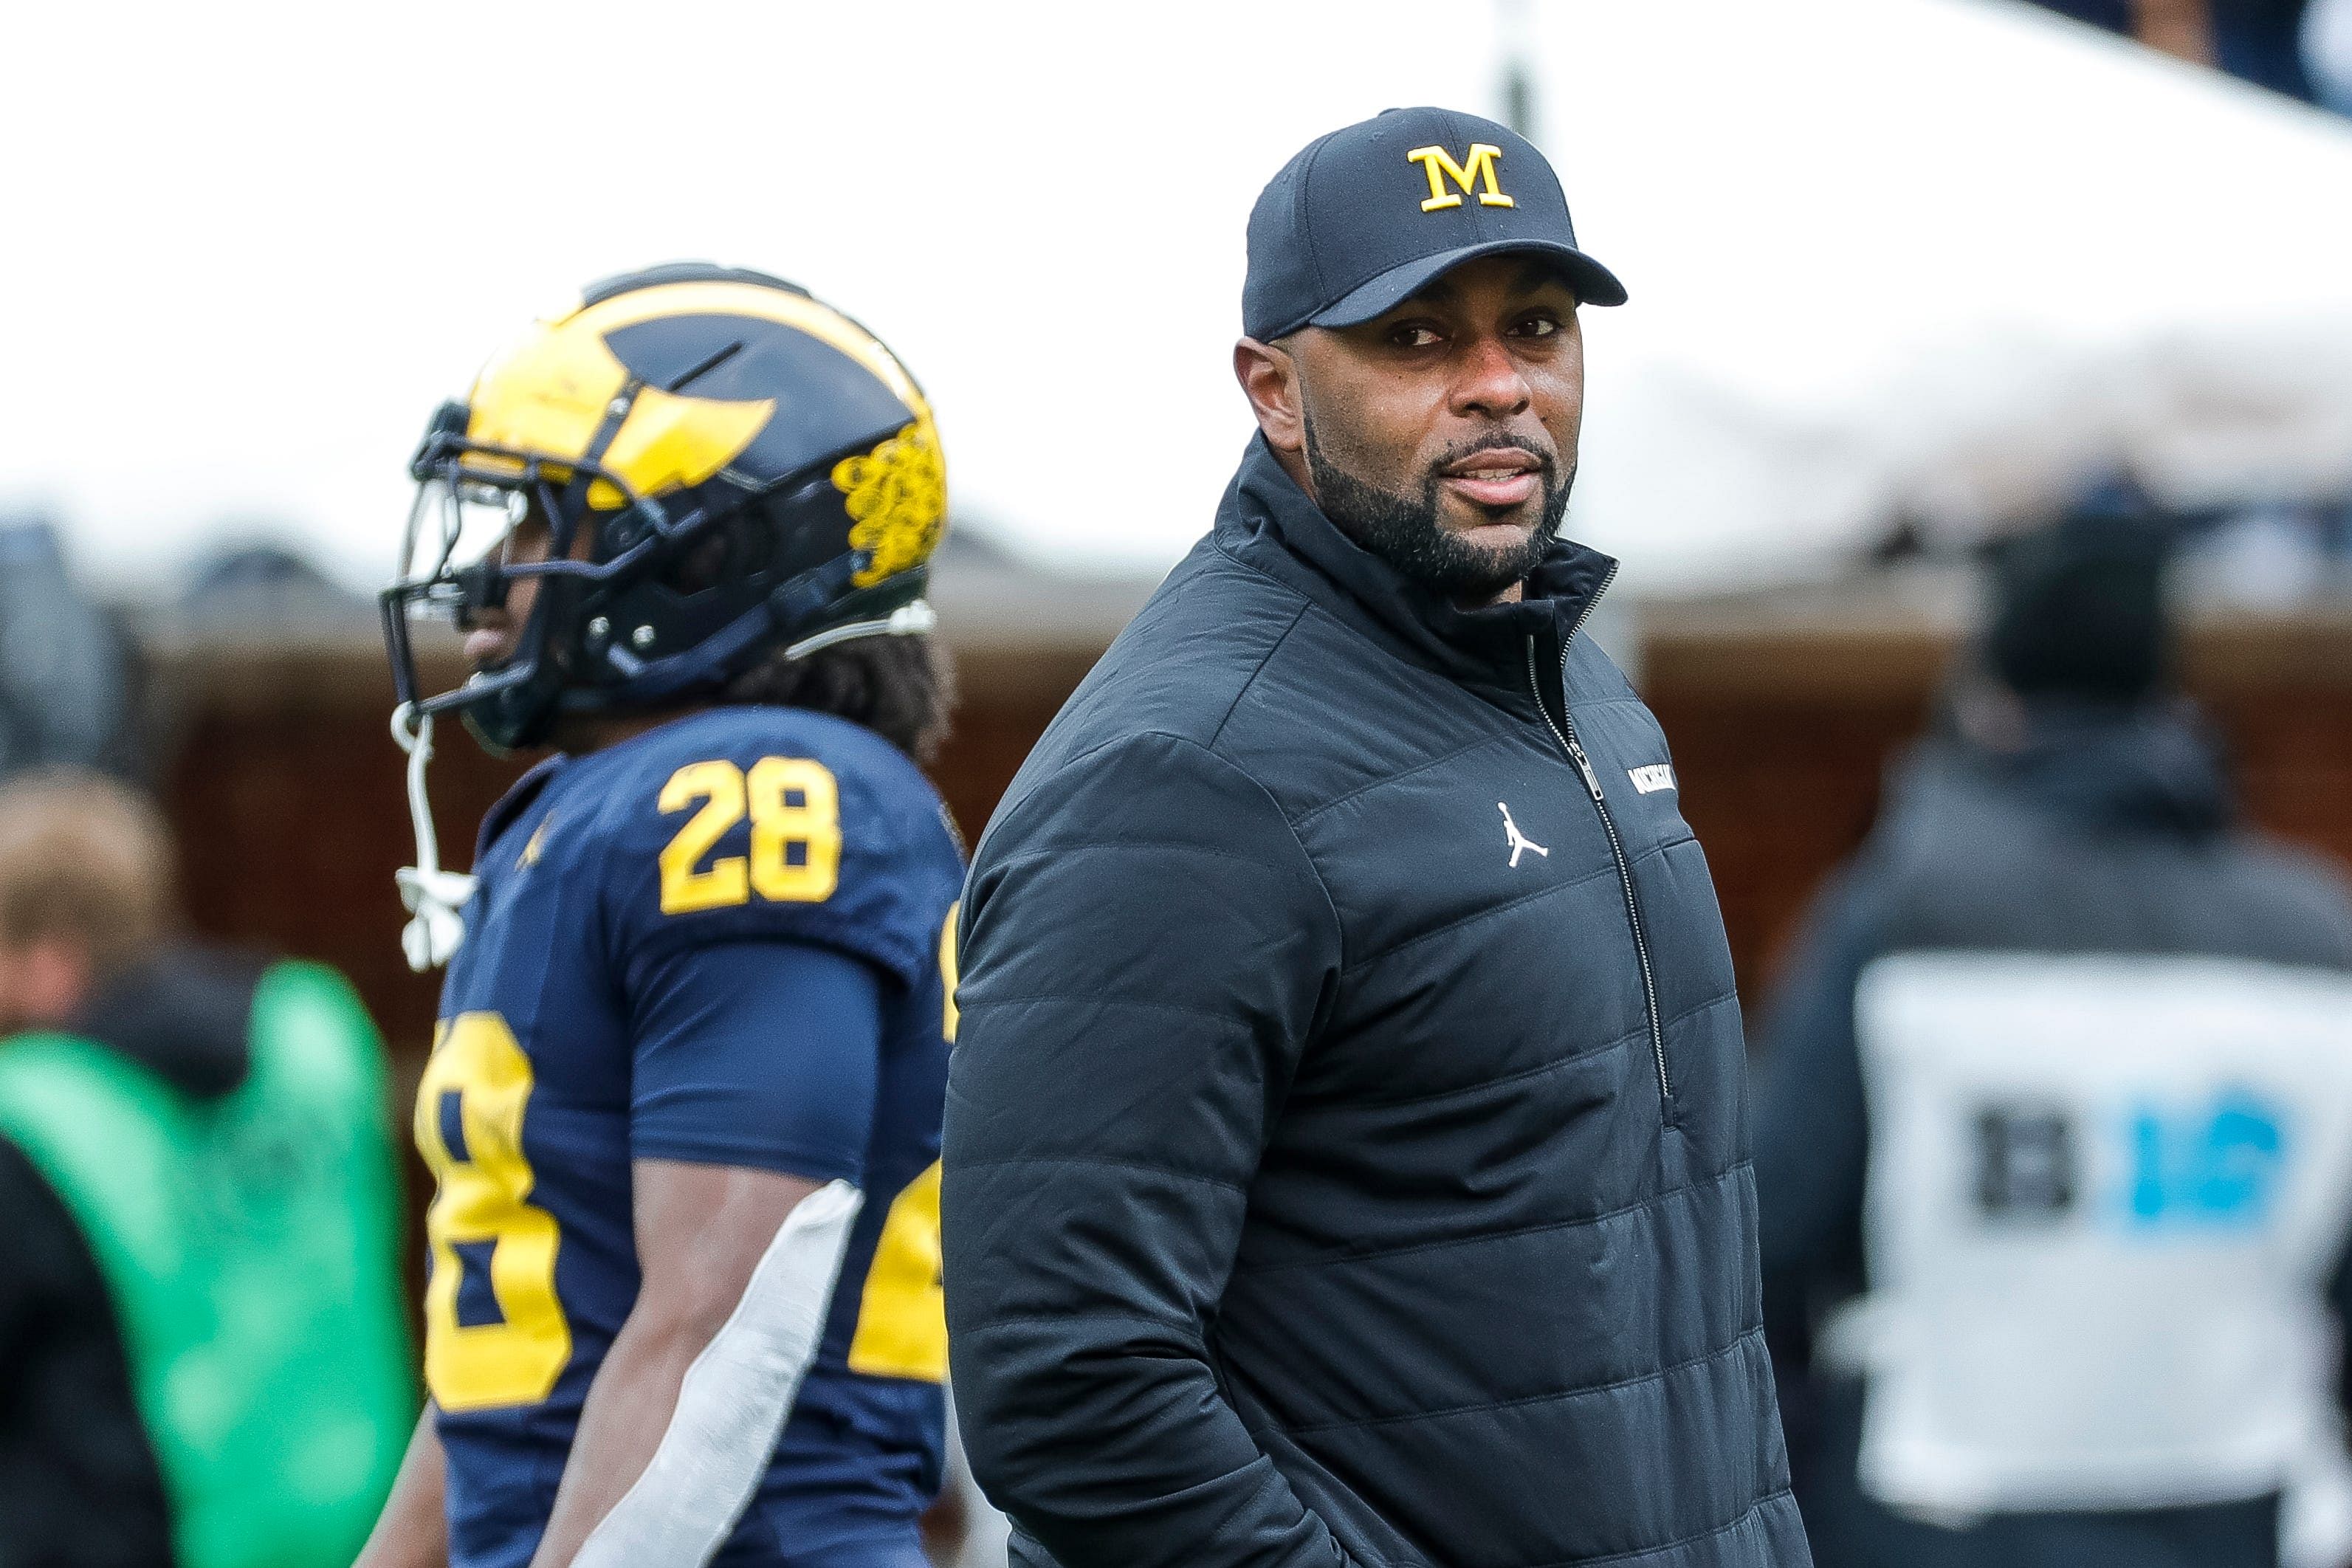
{"x":251,"y":244}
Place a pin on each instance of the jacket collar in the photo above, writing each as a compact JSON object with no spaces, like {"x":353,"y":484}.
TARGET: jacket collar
{"x":1266,"y":522}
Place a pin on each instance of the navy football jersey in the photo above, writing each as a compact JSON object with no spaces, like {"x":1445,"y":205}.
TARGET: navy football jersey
{"x":724,"y":940}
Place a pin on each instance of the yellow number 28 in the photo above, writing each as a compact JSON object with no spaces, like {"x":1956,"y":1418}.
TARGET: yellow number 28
{"x":795,"y":810}
{"x":470,"y":1111}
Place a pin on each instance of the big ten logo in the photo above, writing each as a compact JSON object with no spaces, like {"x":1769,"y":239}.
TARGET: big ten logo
{"x":2025,"y":1161}
{"x":2218,"y":1164}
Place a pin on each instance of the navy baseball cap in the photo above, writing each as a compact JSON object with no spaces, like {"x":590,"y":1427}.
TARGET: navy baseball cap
{"x":1365,"y":217}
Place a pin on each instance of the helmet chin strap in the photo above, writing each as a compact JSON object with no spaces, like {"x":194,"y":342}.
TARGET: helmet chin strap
{"x":432,"y":895}
{"x":911,"y":620}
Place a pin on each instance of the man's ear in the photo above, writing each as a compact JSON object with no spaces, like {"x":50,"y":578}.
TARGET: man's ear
{"x":1269,"y":378}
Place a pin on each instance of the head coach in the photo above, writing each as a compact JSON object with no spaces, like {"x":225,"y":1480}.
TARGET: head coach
{"x":1344,"y":1159}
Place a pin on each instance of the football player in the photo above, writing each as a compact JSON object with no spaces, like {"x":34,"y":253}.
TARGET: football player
{"x":683,"y":1105}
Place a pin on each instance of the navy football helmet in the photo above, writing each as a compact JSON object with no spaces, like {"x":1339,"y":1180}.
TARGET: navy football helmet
{"x":723,"y":465}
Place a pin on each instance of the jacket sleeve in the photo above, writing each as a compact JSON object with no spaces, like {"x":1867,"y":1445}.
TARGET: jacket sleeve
{"x":1811,"y":1133}
{"x":1145,"y":951}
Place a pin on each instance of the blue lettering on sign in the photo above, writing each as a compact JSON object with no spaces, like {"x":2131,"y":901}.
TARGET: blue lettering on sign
{"x":2214,"y":1167}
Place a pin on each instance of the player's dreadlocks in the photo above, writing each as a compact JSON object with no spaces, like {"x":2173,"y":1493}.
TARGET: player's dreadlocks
{"x":902,"y":688}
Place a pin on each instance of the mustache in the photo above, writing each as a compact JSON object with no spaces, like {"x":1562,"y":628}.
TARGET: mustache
{"x":1547,"y":459}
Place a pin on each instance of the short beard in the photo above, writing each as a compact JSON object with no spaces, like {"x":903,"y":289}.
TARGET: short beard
{"x":1403,"y":531}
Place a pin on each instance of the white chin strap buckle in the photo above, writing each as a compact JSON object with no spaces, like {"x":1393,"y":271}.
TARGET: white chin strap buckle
{"x":912,"y":619}
{"x":432,"y":895}
{"x":435,"y":898}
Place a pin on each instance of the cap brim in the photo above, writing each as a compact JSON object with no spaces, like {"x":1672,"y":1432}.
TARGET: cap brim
{"x":1594,"y":284}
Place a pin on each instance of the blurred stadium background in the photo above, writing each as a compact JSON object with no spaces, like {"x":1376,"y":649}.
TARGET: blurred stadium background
{"x":1907,"y":274}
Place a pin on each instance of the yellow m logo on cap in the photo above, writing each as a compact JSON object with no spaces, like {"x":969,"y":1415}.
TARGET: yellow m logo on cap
{"x":1440,"y":166}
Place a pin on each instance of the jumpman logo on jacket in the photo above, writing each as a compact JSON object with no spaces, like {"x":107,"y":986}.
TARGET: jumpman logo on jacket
{"x":1517,"y":839}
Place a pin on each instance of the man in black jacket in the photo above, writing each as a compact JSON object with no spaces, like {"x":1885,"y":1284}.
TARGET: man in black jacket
{"x":1344,"y":1155}
{"x":2054,"y":1125}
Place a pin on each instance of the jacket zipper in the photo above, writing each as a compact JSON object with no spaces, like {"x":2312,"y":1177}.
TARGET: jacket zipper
{"x":1564,"y":731}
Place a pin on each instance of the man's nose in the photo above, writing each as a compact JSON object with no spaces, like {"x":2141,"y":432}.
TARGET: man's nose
{"x":1490,"y":382}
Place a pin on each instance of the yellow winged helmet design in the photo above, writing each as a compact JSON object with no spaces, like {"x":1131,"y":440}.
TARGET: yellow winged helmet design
{"x":723,"y":466}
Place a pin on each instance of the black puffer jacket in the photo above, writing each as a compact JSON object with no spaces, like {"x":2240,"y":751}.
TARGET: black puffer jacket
{"x":1336,"y":1169}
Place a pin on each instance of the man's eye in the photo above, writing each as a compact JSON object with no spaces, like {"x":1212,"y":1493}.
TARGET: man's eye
{"x":1538,"y":326}
{"x":1414,"y":337}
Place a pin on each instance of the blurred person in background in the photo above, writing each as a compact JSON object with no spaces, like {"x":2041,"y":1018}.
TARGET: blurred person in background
{"x":63,"y":685}
{"x":683,"y":1107}
{"x":201,"y":1359}
{"x":2327,"y":52}
{"x":2054,"y":1136}
{"x":2254,"y":41}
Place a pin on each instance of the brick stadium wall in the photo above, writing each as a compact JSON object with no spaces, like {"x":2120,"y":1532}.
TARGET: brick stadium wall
{"x":288,"y":791}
